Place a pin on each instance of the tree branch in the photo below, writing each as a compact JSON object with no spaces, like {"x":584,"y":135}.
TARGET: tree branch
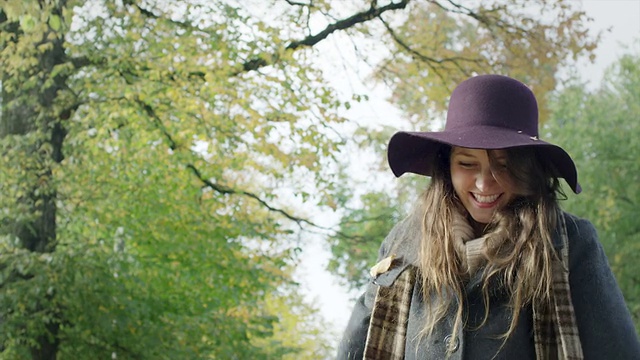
{"x":150,"y":14}
{"x":82,"y":61}
{"x":295,"y":3}
{"x":357,"y":18}
{"x":423,"y":58}
{"x":427,"y":59}
{"x":222,"y":189}
{"x":311,"y":40}
{"x":482,"y":18}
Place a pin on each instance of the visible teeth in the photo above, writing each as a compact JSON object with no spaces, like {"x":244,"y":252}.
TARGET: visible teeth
{"x":486,"y":199}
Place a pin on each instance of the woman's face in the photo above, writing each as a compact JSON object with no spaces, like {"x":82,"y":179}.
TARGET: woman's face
{"x":473,"y":176}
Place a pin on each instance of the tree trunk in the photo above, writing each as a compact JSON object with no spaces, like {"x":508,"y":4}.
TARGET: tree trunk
{"x":36,"y":136}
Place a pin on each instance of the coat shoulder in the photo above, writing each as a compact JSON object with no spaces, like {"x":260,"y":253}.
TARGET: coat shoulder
{"x":399,"y":250}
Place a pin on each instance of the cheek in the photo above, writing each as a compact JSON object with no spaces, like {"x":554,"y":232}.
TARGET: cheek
{"x":511,"y":187}
{"x":459,"y":181}
{"x":505,"y":180}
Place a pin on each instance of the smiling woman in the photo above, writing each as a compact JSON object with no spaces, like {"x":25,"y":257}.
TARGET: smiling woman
{"x":480,"y":182}
{"x":487,"y":266}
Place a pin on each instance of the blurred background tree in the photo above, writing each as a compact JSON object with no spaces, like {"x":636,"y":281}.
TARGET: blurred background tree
{"x":601,"y":129}
{"x":149,"y":149}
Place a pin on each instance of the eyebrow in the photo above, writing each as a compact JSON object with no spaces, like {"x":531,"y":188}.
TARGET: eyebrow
{"x":503,"y":156}
{"x":463,"y":152}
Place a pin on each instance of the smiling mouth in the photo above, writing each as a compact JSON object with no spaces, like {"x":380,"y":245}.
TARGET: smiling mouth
{"x":485,"y":199}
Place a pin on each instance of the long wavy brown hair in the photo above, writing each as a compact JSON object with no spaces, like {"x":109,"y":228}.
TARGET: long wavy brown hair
{"x":519,"y":247}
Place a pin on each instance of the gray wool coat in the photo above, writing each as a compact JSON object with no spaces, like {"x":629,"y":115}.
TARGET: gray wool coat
{"x":604,"y":322}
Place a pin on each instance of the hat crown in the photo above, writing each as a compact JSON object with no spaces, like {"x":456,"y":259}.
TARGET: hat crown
{"x":493,"y":100}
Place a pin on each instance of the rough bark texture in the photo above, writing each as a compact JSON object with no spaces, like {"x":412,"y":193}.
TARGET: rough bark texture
{"x":28,"y":117}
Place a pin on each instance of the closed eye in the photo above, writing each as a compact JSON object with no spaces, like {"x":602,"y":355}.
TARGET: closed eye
{"x":500,"y":167}
{"x":466,"y":165}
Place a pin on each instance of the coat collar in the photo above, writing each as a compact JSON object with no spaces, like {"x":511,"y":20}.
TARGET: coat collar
{"x":403,"y":249}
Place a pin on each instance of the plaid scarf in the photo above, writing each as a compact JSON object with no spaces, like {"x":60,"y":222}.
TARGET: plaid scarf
{"x":555,"y":330}
{"x":388,"y":325}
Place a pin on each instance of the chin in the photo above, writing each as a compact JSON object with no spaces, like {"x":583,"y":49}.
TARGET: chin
{"x":482,"y":219}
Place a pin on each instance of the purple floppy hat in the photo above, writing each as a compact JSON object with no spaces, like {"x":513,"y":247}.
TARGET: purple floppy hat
{"x":485,"y":112}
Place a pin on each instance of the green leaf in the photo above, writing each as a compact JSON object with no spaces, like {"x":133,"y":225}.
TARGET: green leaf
{"x":55,"y":22}
{"x":27,"y":23}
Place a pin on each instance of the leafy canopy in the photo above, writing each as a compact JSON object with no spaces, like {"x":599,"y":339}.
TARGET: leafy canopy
{"x":150,"y":149}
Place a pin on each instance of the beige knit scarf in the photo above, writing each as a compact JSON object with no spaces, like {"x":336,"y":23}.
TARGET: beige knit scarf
{"x":470,"y":250}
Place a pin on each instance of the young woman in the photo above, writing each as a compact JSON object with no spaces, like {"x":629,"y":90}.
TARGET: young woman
{"x":487,"y":266}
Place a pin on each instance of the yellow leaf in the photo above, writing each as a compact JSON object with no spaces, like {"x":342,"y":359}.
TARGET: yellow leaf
{"x":383,"y":266}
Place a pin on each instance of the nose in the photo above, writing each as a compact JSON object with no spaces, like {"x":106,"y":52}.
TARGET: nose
{"x":485,"y":180}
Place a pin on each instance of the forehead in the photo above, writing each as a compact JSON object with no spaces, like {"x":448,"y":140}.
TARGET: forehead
{"x":497,"y":153}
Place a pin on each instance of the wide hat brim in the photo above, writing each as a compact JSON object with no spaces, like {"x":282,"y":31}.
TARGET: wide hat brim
{"x":484,"y":112}
{"x":415,"y":152}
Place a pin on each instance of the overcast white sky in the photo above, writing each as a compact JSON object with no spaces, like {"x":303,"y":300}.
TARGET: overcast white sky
{"x":620,"y":19}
